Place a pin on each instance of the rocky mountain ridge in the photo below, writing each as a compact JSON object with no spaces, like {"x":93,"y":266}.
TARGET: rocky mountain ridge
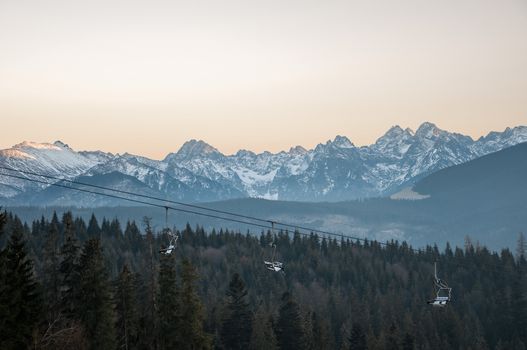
{"x":332,"y":171}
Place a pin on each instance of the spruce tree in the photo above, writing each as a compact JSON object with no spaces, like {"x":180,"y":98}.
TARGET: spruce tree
{"x":519,"y":301}
{"x":192,"y":336}
{"x":408,"y":342}
{"x":19,"y":296}
{"x":94,"y":300}
{"x":357,"y":338}
{"x":391,"y":341}
{"x":69,"y":268}
{"x":263,"y":336}
{"x":93,"y":231}
{"x":125,"y":299}
{"x":521,"y":247}
{"x":237,"y":324}
{"x":51,"y":272}
{"x":289,"y":332}
{"x":320,"y":333}
{"x":168,"y":305}
{"x":148,"y":321}
{"x":3,"y":279}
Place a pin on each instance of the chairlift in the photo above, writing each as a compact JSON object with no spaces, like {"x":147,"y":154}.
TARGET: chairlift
{"x":172,"y":236}
{"x":444,"y":292}
{"x":273,"y":265}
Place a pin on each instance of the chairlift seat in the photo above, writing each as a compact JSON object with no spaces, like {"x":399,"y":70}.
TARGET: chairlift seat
{"x":273,"y":266}
{"x":168,"y":250}
{"x":439,"y":302}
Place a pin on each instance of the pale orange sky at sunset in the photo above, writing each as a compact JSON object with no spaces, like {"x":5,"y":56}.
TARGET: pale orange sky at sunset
{"x":145,"y":76}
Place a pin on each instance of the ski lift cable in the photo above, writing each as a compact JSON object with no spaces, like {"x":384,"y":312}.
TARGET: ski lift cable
{"x":155,"y":204}
{"x":272,"y":265}
{"x":135,"y":194}
{"x":387,"y":244}
{"x":296,"y":227}
{"x":134,"y":200}
{"x":283,"y":224}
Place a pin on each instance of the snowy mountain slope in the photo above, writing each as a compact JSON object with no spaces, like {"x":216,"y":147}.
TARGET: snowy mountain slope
{"x":332,"y":171}
{"x":56,"y":159}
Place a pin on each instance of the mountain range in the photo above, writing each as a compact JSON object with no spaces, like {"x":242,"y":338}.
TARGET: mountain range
{"x":483,"y":198}
{"x":333,"y":171}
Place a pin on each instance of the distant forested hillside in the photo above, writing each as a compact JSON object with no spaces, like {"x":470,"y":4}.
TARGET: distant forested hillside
{"x":66,"y":282}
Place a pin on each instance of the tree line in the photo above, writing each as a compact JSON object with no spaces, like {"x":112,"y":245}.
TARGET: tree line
{"x":66,"y":283}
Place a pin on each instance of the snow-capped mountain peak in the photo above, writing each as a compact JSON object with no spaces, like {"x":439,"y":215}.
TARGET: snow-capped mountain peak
{"x":394,"y":143}
{"x":428,"y":130}
{"x":61,"y":144}
{"x":194,"y":149}
{"x":37,"y":146}
{"x":335,"y":170}
{"x":297,"y":150}
{"x":342,"y":142}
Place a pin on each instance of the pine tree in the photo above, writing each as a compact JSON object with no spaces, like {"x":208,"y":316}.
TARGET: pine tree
{"x":391,"y":341}
{"x":519,"y":302}
{"x":168,"y":305}
{"x":237,"y":323}
{"x":289,"y":332}
{"x":148,"y":321}
{"x":263,"y":336}
{"x":20,"y":299}
{"x":357,"y":338}
{"x":408,"y":342}
{"x":521,"y":247}
{"x":320,"y":333}
{"x":127,"y":324}
{"x":94,"y":307}
{"x":192,"y":335}
{"x":93,"y":231}
{"x":69,"y":268}
{"x":51,"y":272}
{"x":3,"y":279}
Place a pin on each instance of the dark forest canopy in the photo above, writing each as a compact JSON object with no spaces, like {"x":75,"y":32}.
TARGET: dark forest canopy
{"x":102,"y":284}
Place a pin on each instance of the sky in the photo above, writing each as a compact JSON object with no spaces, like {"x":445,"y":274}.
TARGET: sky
{"x":146,"y":76}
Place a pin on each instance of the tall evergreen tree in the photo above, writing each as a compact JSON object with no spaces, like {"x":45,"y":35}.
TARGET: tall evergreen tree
{"x":237,"y":324}
{"x":3,"y":279}
{"x":51,"y":272}
{"x":521,"y":247}
{"x":192,"y":335}
{"x":320,"y":333}
{"x":148,"y":322}
{"x":289,"y":332}
{"x":519,"y":301}
{"x":20,"y":299}
{"x":391,"y":341}
{"x":127,"y":323}
{"x":168,"y":304}
{"x":408,"y":342}
{"x":263,"y":336}
{"x":357,"y":338}
{"x":93,"y":231}
{"x":94,"y":307}
{"x":69,"y":268}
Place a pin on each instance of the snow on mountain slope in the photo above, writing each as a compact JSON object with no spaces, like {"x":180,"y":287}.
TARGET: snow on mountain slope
{"x":332,"y":171}
{"x":496,"y":141}
{"x":56,"y":159}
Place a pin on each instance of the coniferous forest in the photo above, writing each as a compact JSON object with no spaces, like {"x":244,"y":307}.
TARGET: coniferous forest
{"x":102,"y":284}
